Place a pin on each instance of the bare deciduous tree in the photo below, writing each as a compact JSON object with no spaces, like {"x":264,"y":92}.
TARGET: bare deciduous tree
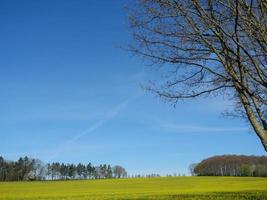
{"x":207,"y":47}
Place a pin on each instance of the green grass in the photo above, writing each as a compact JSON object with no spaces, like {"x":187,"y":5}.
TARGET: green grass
{"x":181,"y":188}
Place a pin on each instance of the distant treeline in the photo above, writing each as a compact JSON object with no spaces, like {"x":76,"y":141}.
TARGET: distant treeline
{"x":34,"y":169}
{"x":232,"y":165}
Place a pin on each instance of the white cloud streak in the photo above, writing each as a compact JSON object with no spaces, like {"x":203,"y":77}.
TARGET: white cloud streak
{"x":181,"y":128}
{"x":111,"y":114}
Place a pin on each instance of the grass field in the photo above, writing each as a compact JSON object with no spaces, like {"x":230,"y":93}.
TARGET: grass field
{"x":184,"y":188}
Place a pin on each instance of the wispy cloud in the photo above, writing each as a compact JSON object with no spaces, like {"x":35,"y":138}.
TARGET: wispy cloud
{"x":191,"y":128}
{"x":111,"y":114}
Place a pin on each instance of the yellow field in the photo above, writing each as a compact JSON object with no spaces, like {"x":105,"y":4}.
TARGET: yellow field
{"x":219,"y":188}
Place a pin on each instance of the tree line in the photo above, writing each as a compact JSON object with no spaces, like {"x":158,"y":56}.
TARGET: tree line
{"x":231,"y":165}
{"x":26,"y":168}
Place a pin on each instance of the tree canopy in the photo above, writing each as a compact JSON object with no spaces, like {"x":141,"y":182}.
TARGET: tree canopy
{"x":33,"y":169}
{"x":232,"y":165}
{"x":204,"y":48}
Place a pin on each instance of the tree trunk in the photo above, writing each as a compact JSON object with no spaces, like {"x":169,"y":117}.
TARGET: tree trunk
{"x":259,"y":130}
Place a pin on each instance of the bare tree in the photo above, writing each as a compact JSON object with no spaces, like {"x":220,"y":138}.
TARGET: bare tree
{"x":192,"y":168}
{"x":119,"y":172}
{"x":206,"y":48}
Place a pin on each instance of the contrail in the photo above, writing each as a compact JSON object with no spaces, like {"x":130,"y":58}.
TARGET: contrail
{"x":112,"y":113}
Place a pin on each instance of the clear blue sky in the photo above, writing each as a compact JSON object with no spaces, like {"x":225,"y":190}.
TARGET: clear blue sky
{"x":68,"y":94}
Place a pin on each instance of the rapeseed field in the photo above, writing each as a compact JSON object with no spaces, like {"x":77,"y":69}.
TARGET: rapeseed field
{"x":176,"y":188}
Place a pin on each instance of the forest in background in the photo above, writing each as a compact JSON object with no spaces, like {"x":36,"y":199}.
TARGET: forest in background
{"x":231,"y":165}
{"x":34,"y":169}
{"x":29,"y":169}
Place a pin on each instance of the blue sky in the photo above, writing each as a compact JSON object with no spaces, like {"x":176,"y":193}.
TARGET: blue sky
{"x":68,"y":94}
